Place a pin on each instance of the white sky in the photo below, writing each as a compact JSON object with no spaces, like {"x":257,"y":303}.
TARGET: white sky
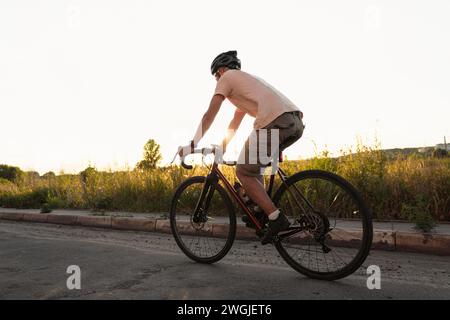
{"x":89,"y":82}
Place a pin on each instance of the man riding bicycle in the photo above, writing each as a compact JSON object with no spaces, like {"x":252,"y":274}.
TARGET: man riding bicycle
{"x":273,"y":113}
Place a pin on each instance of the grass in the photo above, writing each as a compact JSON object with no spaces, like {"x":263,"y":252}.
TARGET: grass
{"x":404,"y":187}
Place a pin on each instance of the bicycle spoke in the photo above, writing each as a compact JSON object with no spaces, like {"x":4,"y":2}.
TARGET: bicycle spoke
{"x":334,"y":201}
{"x":325,"y":258}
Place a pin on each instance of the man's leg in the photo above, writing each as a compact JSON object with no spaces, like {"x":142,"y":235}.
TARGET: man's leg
{"x":254,"y":188}
{"x":252,"y":181}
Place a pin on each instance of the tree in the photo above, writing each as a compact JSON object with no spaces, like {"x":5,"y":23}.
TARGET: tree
{"x":32,"y":174}
{"x":89,"y":171}
{"x":49,"y":175}
{"x":10,"y":173}
{"x":152,"y":156}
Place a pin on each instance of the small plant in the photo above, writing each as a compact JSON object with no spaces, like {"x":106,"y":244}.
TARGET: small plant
{"x":419,"y":214}
{"x":53,"y":202}
{"x":102,"y":204}
{"x":424,"y":222}
{"x":46,"y":208}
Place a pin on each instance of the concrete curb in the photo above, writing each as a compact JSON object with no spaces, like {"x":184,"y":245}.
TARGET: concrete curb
{"x":382,"y":239}
{"x":164,"y":226}
{"x":60,"y":219}
{"x":392,"y":240}
{"x":100,"y":222}
{"x":12,"y":216}
{"x":135,"y":224}
{"x":35,"y":217}
{"x":433,"y":243}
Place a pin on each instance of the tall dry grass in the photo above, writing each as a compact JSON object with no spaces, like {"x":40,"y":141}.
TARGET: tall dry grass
{"x":388,"y":183}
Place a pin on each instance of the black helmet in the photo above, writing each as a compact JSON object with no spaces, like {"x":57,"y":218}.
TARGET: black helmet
{"x":227,"y":59}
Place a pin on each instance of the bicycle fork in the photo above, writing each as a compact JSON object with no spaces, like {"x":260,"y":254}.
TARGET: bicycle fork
{"x":202,"y":206}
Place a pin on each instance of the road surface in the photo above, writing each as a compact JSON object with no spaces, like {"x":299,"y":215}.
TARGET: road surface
{"x":138,"y":265}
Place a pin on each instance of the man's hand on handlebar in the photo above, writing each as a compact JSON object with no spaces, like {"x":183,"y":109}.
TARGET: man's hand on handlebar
{"x":217,"y":150}
{"x":182,"y":151}
{"x":224,"y":147}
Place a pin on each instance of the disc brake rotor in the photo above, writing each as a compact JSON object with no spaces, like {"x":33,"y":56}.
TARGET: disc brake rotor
{"x":198,"y":221}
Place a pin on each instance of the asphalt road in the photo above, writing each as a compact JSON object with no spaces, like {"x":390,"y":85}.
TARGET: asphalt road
{"x":137,"y":265}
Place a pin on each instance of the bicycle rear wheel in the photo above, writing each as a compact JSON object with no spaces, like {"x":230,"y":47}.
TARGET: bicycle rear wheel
{"x":331,"y":226}
{"x":208,"y":235}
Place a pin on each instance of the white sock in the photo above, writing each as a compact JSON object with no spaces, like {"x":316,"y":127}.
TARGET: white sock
{"x":274,"y":215}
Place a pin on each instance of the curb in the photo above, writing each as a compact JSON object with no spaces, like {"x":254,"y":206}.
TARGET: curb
{"x":413,"y":242}
{"x":100,"y":222}
{"x":60,"y":219}
{"x":391,"y":240}
{"x":35,"y":217}
{"x":382,"y":239}
{"x":164,"y":226}
{"x":12,"y":216}
{"x":135,"y":224}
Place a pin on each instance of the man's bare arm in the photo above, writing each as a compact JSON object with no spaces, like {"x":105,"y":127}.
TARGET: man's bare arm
{"x":208,"y":117}
{"x":232,"y":128}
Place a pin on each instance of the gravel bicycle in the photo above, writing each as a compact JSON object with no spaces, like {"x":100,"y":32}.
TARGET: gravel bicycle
{"x":331,"y":227}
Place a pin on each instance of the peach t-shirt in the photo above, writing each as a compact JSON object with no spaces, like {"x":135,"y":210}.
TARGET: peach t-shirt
{"x":253,"y":96}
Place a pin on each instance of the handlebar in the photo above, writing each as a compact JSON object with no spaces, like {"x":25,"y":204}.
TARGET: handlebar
{"x":186,"y":166}
{"x":204,"y":151}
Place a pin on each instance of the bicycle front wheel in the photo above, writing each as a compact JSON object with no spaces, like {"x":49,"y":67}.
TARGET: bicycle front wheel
{"x":331,"y":226}
{"x":205,"y":235}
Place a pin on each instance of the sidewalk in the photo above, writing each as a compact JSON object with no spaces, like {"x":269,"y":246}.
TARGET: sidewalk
{"x":400,"y":236}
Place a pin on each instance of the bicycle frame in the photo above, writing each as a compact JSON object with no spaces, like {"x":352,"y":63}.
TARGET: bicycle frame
{"x":215,"y":175}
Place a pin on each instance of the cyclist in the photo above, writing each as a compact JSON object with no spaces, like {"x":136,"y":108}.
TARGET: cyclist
{"x":272,"y":110}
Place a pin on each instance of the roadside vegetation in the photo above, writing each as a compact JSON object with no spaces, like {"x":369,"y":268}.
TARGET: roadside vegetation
{"x":412,"y":186}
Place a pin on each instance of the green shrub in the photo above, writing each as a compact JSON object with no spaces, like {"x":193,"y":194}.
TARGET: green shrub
{"x":418,"y":214}
{"x":103,"y":203}
{"x":46,"y":208}
{"x":54,"y":202}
